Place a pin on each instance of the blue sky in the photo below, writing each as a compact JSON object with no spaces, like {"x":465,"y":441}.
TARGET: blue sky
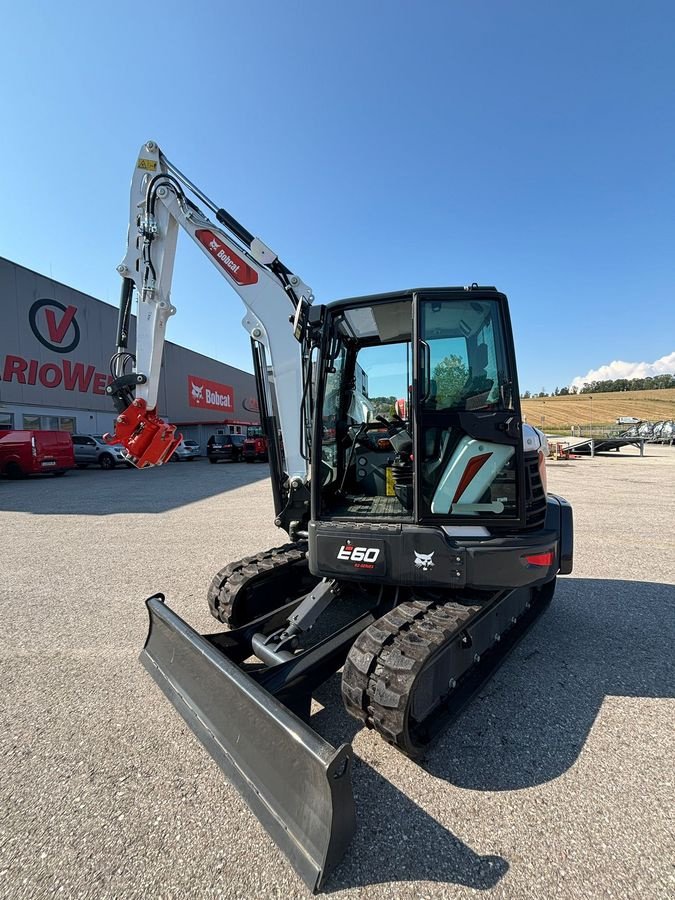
{"x":374,"y":146}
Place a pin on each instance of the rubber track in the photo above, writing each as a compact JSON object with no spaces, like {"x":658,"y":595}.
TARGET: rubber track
{"x":385,"y":660}
{"x":237,"y":576}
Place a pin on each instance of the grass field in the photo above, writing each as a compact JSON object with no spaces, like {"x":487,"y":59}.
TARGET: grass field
{"x":603,"y":410}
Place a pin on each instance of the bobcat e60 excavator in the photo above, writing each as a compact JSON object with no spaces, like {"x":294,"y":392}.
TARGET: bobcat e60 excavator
{"x":422,"y":543}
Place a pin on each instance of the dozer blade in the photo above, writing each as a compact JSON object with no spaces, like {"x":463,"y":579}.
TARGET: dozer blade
{"x":297,"y":784}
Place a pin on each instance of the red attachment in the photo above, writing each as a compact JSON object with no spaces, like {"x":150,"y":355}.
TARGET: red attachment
{"x":148,"y":440}
{"x":540,"y":559}
{"x":472,"y":468}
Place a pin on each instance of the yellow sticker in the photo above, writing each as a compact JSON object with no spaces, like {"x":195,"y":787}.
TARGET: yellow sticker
{"x":389,"y":482}
{"x":149,"y":164}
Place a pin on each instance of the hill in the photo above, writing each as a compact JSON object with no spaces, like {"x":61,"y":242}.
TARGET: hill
{"x":603,"y":410}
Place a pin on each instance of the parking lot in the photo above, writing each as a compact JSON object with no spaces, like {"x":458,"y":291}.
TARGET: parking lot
{"x":557,"y":781}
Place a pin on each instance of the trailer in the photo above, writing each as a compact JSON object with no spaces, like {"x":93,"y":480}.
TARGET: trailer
{"x":597,"y":446}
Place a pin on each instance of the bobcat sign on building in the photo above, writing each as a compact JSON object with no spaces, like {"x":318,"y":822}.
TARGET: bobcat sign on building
{"x":55,"y":349}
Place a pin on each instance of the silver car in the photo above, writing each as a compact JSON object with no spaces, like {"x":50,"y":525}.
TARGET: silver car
{"x":91,"y":450}
{"x":183,"y":452}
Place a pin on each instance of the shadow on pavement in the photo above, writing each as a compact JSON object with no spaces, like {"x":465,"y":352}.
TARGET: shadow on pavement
{"x":599,"y":638}
{"x":95,"y":492}
{"x":527,"y":726}
{"x":396,"y":840}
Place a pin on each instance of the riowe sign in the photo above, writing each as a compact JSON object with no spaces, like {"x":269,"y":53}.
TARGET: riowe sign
{"x":205,"y":394}
{"x":55,"y":349}
{"x":55,"y":343}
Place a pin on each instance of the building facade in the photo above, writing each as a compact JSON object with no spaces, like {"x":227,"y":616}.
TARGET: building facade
{"x":55,"y":349}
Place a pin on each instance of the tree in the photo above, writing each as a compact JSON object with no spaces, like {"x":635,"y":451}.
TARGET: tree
{"x":450,"y":375}
{"x":383,"y":406}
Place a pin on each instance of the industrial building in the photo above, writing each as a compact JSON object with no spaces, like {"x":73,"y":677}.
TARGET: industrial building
{"x":55,"y":349}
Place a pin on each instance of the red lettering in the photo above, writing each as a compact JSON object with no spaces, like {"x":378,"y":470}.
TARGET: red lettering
{"x":99,"y":383}
{"x":75,"y":377}
{"x":15,"y":365}
{"x":44,"y":372}
{"x":58,"y":332}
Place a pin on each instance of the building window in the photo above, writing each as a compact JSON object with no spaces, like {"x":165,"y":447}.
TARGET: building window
{"x":47,"y":423}
{"x":6,"y":421}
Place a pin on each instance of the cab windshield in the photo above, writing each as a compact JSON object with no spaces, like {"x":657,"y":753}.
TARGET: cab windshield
{"x":404,"y":423}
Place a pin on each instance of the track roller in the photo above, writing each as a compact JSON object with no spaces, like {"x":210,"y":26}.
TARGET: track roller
{"x":255,"y":585}
{"x":386,"y":660}
{"x":413,"y":670}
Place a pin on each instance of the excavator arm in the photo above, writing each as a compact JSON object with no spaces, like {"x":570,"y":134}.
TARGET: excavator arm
{"x":276,"y":302}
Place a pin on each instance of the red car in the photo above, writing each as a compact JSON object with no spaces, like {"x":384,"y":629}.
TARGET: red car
{"x":29,"y":452}
{"x":255,"y":448}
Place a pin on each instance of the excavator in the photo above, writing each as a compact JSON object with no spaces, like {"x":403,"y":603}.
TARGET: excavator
{"x":422,"y":542}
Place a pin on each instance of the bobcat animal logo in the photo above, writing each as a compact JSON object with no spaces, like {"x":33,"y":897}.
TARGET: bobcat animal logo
{"x":214,"y":245}
{"x":197,"y":391}
{"x":424,"y":561}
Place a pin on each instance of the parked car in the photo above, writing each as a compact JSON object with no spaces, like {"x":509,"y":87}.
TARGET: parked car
{"x":255,"y":448}
{"x":183,"y":453}
{"x":226,"y":447}
{"x":30,"y":452}
{"x":92,"y":450}
{"x":194,"y":446}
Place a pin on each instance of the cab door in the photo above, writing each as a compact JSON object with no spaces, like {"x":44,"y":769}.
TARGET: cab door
{"x":468,"y":442}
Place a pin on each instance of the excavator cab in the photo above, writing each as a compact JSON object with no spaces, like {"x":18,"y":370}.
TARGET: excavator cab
{"x":456,"y":457}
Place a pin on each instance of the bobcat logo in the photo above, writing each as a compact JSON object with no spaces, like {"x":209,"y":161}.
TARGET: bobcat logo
{"x":197,"y":391}
{"x":214,"y":245}
{"x":423,"y":561}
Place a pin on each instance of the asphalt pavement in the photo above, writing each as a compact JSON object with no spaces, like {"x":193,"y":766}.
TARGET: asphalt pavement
{"x":557,"y":781}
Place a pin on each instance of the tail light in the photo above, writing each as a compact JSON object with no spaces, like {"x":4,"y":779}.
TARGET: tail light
{"x":539,"y":559}
{"x":33,"y":446}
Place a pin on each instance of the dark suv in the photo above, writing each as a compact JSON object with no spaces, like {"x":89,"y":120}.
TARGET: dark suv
{"x":226,"y":447}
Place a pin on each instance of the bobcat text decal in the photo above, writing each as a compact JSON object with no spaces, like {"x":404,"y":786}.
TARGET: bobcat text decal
{"x":205,"y":394}
{"x":227,"y":259}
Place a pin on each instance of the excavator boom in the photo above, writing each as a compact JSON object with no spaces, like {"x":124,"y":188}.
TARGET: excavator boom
{"x":275,"y":299}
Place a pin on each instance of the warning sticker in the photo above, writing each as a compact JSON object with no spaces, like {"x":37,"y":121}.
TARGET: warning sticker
{"x":389,"y":482}
{"x":150,"y":165}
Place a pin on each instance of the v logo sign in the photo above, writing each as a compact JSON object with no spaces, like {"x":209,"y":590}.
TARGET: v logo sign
{"x":58,"y":332}
{"x":60,"y":321}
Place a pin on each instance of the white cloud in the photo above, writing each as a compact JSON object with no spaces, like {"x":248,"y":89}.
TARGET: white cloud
{"x":621,"y":369}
